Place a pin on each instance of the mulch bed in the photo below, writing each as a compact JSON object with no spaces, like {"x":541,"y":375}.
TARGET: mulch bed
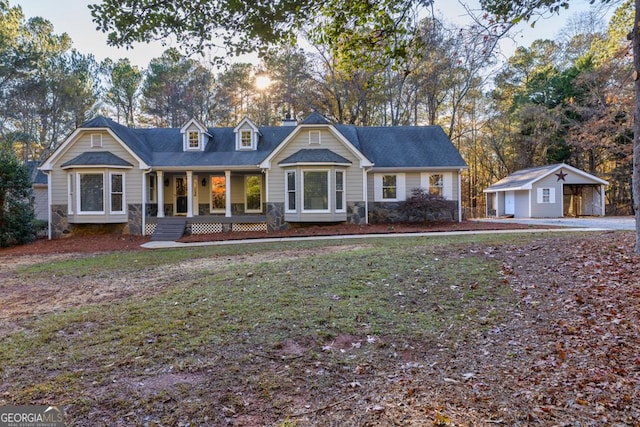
{"x":90,"y":243}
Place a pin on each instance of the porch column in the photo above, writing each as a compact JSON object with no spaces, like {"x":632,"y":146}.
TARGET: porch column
{"x":160,"y":191}
{"x":227,"y":180}
{"x":189,"y":194}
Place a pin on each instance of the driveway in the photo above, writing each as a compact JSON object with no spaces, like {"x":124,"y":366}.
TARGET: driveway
{"x":603,"y":223}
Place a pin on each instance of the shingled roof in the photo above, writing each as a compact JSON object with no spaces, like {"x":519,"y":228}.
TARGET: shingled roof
{"x":386,"y":147}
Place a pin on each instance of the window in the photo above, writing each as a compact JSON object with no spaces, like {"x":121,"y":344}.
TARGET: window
{"x":291,"y":191}
{"x":151,"y":195}
{"x":70,"y":192}
{"x":246,"y":139}
{"x":194,"y":139}
{"x":315,"y":190}
{"x":96,"y":140}
{"x":117,"y":193}
{"x":340,"y":191}
{"x":314,"y":137}
{"x":218,"y":193}
{"x":91,"y":193}
{"x":436,"y":184}
{"x":546,"y":195}
{"x":389,"y":187}
{"x":253,"y":193}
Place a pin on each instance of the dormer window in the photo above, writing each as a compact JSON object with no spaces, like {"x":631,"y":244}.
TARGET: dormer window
{"x":193,"y":136}
{"x":247,"y":135}
{"x":194,"y":140}
{"x":245,"y":139}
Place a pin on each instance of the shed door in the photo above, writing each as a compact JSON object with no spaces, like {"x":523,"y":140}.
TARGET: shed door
{"x":510,"y":203}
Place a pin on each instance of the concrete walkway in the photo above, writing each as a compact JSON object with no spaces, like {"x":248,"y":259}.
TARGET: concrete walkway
{"x":164,"y":245}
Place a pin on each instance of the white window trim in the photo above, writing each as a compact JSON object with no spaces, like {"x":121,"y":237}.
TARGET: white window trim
{"x":401,"y":193}
{"x":301,"y":192}
{"x":242,"y":146}
{"x":552,"y":196}
{"x":246,"y":209}
{"x":96,"y":140}
{"x":124,"y":197}
{"x":447,"y":183}
{"x":188,"y":146}
{"x":344,"y":188}
{"x":254,"y":140}
{"x":79,"y":193}
{"x":313,"y":140}
{"x":152,"y":189}
{"x":287,"y":190}
{"x":70,"y":192}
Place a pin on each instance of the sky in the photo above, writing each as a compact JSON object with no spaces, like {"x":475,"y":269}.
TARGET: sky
{"x":73,"y":17}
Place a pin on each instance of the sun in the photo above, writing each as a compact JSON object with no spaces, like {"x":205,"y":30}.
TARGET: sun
{"x":262,"y":82}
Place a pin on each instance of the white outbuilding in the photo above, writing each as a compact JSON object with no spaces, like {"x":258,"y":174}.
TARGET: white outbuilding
{"x":551,"y":191}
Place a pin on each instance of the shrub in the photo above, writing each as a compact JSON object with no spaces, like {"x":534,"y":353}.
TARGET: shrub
{"x":423,"y":207}
{"x":16,"y":212}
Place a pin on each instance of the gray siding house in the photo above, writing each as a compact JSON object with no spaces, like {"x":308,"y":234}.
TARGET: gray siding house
{"x":243,"y":178}
{"x":551,"y":191}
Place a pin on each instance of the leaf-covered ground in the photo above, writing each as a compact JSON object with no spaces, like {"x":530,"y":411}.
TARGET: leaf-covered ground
{"x":494,"y":330}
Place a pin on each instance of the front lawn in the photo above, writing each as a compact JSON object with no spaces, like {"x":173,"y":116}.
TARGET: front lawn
{"x":474,"y":330}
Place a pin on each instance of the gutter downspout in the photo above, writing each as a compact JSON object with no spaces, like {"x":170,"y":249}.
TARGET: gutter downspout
{"x":460,"y":195}
{"x":49,"y":215}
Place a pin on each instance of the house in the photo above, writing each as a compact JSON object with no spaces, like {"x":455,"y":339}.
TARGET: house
{"x":39,"y":198}
{"x":550,"y":191}
{"x":243,"y":178}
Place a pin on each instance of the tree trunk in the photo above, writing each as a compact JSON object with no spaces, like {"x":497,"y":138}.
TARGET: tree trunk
{"x":635,"y":40}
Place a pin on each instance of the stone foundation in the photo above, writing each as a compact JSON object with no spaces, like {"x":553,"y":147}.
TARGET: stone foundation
{"x":356,"y":213}
{"x":60,"y":226}
{"x":135,"y":220}
{"x":389,"y":212}
{"x":275,"y":217}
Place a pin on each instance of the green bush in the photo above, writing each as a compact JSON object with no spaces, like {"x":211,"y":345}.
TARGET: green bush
{"x":424,"y":207}
{"x":16,"y":212}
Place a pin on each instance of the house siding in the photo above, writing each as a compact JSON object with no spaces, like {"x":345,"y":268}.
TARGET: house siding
{"x":354,"y":193}
{"x":59,"y":179}
{"x":546,"y":210}
{"x":413,"y":181}
{"x":353,"y":173}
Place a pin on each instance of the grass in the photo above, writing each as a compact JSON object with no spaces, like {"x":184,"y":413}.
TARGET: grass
{"x":230,"y":328}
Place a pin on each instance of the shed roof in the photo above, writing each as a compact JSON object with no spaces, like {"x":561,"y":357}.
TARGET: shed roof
{"x":525,"y":178}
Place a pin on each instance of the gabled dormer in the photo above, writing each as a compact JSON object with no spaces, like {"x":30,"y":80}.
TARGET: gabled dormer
{"x":194,"y":136}
{"x":247,"y":135}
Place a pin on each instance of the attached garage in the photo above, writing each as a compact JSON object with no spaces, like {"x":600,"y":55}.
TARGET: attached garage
{"x":551,"y":191}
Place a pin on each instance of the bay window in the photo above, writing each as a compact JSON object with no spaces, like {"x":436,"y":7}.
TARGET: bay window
{"x":290,"y":191}
{"x":315,"y":193}
{"x":91,"y":193}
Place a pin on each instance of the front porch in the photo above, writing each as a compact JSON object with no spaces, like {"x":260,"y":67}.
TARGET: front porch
{"x":210,"y":224}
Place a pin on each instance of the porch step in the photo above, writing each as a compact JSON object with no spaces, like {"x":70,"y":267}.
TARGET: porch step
{"x":169,"y":229}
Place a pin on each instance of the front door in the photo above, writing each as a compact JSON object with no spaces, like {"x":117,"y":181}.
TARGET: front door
{"x":181,"y":195}
{"x":510,"y":203}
